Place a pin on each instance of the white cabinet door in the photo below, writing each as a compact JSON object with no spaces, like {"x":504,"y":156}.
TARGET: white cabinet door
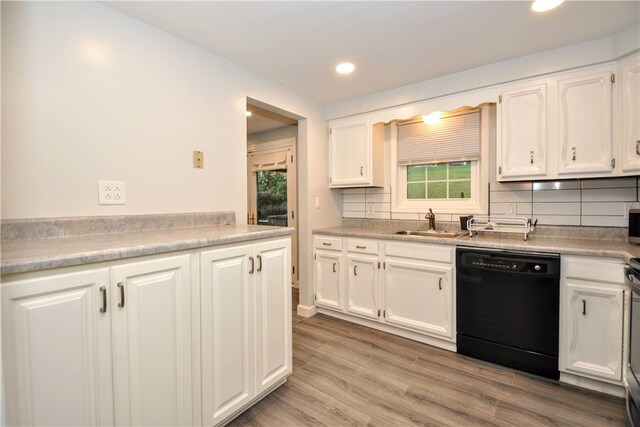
{"x":522,"y":132}
{"x":584,"y":128}
{"x":362,"y":285}
{"x":350,"y":151}
{"x":273,"y":312}
{"x":151,"y":313}
{"x":56,"y":346}
{"x":328,"y":279}
{"x":593,"y":331}
{"x":227,"y":342}
{"x":419,"y":296}
{"x":630,"y":81}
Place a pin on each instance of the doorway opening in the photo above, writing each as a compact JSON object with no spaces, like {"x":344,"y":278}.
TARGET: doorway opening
{"x":272,"y":196}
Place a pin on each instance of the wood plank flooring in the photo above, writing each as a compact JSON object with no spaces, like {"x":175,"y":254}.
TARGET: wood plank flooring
{"x":347,"y":374}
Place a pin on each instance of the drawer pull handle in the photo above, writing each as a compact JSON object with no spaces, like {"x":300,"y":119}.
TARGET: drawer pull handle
{"x":259,"y":263}
{"x":440,"y":283}
{"x":361,"y":247}
{"x":355,"y":270}
{"x":121,"y":286}
{"x":253,"y":265}
{"x":334,"y":267}
{"x":584,"y":307}
{"x":103,"y":291}
{"x":327,"y":244}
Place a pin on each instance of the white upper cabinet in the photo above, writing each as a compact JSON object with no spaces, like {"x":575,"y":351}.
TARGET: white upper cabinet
{"x":522,"y":132}
{"x":630,"y":88}
{"x":585,"y":123}
{"x":356,"y":154}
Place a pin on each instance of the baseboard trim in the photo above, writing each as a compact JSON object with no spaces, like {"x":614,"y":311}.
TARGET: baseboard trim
{"x":306,"y":310}
{"x":436,"y":342}
{"x":617,"y":390}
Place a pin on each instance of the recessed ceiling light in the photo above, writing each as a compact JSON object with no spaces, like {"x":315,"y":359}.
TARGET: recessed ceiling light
{"x":248,"y":113}
{"x":345,"y":68}
{"x":544,"y":5}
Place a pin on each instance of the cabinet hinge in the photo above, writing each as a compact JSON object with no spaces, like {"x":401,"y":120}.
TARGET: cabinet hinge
{"x":315,"y":297}
{"x":378,"y":265}
{"x":499,"y":170}
{"x":384,"y":265}
{"x":330,"y":130}
{"x":293,"y":270}
{"x":315,"y":256}
{"x":292,"y":215}
{"x":499,"y":99}
{"x":292,"y":158}
{"x":378,"y":312}
{"x":613,"y":163}
{"x":613,"y":77}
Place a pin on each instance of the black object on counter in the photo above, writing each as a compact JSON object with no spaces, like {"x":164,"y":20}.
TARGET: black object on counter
{"x":463,"y":221}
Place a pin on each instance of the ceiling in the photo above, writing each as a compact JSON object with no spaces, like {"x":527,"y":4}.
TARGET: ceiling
{"x":262,"y":120}
{"x":392,"y":43}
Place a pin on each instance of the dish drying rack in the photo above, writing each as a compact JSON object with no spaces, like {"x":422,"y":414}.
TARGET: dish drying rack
{"x":500,"y":224}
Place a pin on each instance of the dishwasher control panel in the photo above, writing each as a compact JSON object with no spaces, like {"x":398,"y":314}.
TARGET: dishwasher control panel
{"x":509,"y":265}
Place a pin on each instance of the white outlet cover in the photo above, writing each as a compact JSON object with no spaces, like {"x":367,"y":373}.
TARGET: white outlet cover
{"x":111,"y":193}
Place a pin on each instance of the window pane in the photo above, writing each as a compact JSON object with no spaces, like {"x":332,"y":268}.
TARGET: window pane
{"x":437,"y":190}
{"x":437,"y":172}
{"x":272,"y":197}
{"x":416,"y":190}
{"x":415,"y":173}
{"x":460,"y":189}
{"x":460,"y":170}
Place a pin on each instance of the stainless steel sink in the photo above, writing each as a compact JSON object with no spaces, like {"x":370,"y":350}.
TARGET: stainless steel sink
{"x":430,"y":233}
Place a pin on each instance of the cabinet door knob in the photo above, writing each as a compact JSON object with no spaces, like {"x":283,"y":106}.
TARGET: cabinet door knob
{"x":361,"y":170}
{"x":253,"y":265}
{"x":259,"y":263}
{"x":103,"y":291}
{"x":121,"y":286}
{"x":334,"y":267}
{"x":584,"y":307}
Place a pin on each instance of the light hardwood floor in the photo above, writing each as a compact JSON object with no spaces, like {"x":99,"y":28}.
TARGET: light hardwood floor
{"x":346,"y":374}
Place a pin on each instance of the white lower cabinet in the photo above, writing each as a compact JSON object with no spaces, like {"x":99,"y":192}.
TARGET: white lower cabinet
{"x":151,"y":313}
{"x":69,"y":329}
{"x":114,"y":345}
{"x":328,"y":279}
{"x":419,"y":296}
{"x":406,"y":286}
{"x":592,"y":328}
{"x":246,"y":325}
{"x":56,"y":350}
{"x":363,"y":280}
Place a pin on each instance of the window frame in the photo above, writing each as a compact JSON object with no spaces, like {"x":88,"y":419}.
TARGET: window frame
{"x":477,"y":204}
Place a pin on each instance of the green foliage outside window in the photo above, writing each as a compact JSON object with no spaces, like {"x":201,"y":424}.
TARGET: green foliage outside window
{"x":439,"y":181}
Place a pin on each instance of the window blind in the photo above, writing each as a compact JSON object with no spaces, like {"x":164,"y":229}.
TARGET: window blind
{"x":453,"y":138}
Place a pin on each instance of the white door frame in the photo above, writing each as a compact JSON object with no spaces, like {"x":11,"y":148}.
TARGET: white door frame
{"x":286,"y":147}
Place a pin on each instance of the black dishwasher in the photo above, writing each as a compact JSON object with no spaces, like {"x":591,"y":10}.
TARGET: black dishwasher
{"x":507,"y":308}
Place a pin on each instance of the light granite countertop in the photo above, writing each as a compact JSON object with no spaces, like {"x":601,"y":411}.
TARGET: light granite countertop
{"x":19,"y":256}
{"x":568,"y":246}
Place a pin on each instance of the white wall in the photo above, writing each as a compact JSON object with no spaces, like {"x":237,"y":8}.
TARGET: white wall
{"x":89,"y":93}
{"x":273,"y":135}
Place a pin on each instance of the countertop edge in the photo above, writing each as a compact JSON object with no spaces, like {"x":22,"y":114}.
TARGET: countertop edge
{"x":8,"y":267}
{"x":478,"y":241}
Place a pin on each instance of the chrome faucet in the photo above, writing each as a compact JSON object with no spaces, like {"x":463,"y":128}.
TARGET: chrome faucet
{"x":432,"y":219}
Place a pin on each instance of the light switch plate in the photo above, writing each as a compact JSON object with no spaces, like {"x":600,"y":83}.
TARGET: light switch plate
{"x":198,"y":159}
{"x":111,"y":193}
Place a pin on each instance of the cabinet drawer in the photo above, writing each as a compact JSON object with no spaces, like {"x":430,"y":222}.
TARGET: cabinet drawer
{"x":594,"y":270}
{"x":362,"y":246}
{"x":328,"y":243}
{"x":424,"y":251}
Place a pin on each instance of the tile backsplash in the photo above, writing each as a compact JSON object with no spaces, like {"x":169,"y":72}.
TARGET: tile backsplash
{"x":589,"y":202}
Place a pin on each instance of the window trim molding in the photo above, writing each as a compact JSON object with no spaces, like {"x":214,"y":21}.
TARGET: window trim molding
{"x":479,"y":173}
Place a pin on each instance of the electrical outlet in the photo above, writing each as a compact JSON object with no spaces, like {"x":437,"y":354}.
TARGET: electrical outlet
{"x":111,"y":193}
{"x":511,"y":209}
{"x":630,"y":205}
